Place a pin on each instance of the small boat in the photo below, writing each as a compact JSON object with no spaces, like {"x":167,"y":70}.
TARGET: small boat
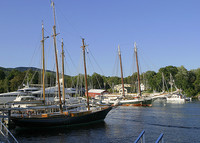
{"x":189,"y":99}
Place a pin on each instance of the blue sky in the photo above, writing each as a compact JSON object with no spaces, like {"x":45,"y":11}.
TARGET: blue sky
{"x":166,"y":32}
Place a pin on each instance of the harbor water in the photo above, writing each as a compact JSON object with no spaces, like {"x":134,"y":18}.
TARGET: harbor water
{"x":180,"y":123}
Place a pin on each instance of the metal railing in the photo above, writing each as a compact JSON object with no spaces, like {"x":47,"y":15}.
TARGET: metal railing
{"x":7,"y":135}
{"x":160,"y":139}
{"x":140,"y":138}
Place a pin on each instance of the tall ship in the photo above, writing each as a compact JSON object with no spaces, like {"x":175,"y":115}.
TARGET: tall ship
{"x":53,"y":115}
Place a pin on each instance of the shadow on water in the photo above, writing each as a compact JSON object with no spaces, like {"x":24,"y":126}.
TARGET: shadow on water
{"x":55,"y":131}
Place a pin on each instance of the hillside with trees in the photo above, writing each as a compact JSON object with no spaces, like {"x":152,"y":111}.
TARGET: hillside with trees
{"x":187,"y":81}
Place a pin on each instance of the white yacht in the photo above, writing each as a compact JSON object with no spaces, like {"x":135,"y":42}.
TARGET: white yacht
{"x":176,"y":98}
{"x":71,"y":100}
{"x":23,"y":101}
{"x":11,"y":96}
{"x":52,"y":91}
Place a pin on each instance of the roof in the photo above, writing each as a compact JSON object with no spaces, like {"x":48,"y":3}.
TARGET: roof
{"x":96,"y":90}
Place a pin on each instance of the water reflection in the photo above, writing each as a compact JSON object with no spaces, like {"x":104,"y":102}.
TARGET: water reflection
{"x":61,"y":133}
{"x":57,"y":130}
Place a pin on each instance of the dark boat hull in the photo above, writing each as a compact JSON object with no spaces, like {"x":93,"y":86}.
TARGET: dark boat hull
{"x":61,"y":119}
{"x":147,"y":102}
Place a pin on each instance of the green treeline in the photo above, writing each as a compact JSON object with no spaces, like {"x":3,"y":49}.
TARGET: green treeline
{"x":188,"y":81}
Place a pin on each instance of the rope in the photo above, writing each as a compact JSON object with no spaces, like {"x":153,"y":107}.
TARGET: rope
{"x":34,"y":53}
{"x":72,"y":25}
{"x":79,"y":76}
{"x":95,"y":76}
{"x":98,"y":65}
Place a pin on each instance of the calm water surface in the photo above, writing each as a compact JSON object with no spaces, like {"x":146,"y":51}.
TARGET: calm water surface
{"x":180,"y":123}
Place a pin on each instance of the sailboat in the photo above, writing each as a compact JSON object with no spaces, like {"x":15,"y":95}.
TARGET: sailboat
{"x":122,"y":100}
{"x":176,"y":96}
{"x":147,"y":101}
{"x":139,"y":100}
{"x":65,"y":116}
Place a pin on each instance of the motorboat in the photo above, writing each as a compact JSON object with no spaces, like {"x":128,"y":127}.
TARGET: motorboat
{"x":176,"y":98}
{"x":23,"y":101}
{"x":11,"y":96}
{"x":70,"y":100}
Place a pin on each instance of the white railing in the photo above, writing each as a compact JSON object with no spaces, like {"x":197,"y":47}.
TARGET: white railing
{"x":7,"y":135}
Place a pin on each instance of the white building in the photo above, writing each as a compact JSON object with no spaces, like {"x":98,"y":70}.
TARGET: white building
{"x":118,"y":88}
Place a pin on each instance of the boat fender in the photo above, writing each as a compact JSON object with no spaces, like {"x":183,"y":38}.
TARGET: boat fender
{"x":66,"y":113}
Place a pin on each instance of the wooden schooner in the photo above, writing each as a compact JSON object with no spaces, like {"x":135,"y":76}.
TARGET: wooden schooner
{"x":139,"y":101}
{"x":64,"y":116}
{"x":134,"y":101}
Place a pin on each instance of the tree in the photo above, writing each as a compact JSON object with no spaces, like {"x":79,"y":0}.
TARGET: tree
{"x":151,"y":80}
{"x":2,"y":75}
{"x":79,"y":80}
{"x":16,"y":81}
{"x":1,"y":86}
{"x":12,"y":74}
{"x":50,"y":78}
{"x":97,"y":81}
{"x":182,"y":78}
{"x":6,"y":85}
{"x":68,"y":81}
{"x":106,"y":84}
{"x":168,"y":70}
{"x":197,"y":81}
{"x":114,"y":80}
{"x":35,"y":79}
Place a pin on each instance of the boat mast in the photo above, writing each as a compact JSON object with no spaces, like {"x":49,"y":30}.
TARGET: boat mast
{"x":54,"y":38}
{"x":171,"y":82}
{"x":138,"y":73}
{"x":86,"y":86}
{"x":122,"y":79}
{"x":43,"y":62}
{"x":63,"y":81}
{"x":163,"y":82}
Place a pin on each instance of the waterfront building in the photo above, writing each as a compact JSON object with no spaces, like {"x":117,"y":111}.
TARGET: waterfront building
{"x":94,"y":92}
